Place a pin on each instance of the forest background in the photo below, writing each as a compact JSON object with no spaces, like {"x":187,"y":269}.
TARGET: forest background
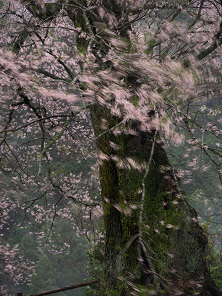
{"x":110,"y":128}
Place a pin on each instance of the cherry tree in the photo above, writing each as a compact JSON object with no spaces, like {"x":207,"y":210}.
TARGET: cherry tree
{"x":141,"y":72}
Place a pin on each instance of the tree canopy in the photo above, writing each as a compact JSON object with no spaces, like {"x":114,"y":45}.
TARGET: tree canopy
{"x":108,"y":109}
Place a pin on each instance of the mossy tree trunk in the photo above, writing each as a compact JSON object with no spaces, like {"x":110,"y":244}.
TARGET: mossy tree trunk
{"x":153,"y":241}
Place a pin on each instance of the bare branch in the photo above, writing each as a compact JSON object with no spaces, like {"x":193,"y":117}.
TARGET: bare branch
{"x":68,"y":288}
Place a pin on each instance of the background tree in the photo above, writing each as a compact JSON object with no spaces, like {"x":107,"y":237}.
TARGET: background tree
{"x":140,"y":69}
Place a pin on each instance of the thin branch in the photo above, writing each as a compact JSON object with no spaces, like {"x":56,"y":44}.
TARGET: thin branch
{"x":5,"y":129}
{"x":57,"y":137}
{"x":198,"y":15}
{"x":27,"y":102}
{"x":216,"y":43}
{"x":67,"y":69}
{"x":68,"y":288}
{"x":34,"y":121}
{"x":53,"y":141}
{"x":123,"y":251}
{"x":144,"y":194}
{"x":51,"y":75}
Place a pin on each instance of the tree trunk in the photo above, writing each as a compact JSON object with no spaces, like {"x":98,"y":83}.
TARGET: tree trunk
{"x":153,"y":241}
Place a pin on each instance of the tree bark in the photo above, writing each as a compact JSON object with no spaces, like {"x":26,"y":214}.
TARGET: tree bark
{"x":165,"y":251}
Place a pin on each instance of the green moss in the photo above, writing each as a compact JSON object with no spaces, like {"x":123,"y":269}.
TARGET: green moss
{"x":172,"y":239}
